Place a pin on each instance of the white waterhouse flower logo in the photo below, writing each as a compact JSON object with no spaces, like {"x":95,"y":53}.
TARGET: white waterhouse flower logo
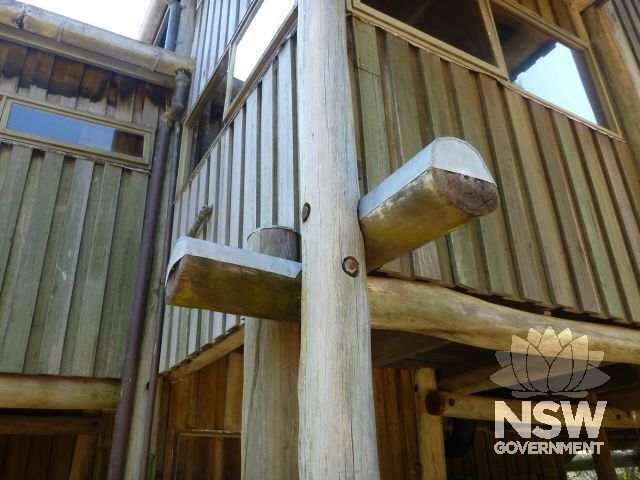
{"x":550,"y":364}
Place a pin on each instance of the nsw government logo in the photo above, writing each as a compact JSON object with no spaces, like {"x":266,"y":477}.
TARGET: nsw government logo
{"x":557,"y":371}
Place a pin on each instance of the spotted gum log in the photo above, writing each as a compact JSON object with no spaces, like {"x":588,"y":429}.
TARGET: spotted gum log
{"x":337,"y":420}
{"x":399,"y":305}
{"x":443,"y":187}
{"x":270,"y":391}
{"x":430,"y":432}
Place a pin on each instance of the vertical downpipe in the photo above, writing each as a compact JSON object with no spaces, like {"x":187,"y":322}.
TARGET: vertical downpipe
{"x":124,"y":412}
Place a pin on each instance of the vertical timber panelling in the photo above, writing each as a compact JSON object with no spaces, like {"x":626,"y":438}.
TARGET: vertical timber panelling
{"x":564,"y":235}
{"x":216,"y":24}
{"x":250,"y":174}
{"x":69,"y":227}
{"x":629,"y":15}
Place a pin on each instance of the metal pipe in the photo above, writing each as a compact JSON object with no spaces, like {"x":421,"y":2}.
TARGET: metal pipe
{"x":124,"y":412}
{"x":159,"y":317}
{"x":171,"y":38}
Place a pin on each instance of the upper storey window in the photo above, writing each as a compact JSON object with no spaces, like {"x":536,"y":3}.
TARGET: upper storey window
{"x":546,"y":67}
{"x":537,"y":53}
{"x":458,"y":23}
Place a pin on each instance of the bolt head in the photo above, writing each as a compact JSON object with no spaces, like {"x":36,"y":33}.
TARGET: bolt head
{"x":306,"y":211}
{"x":351,"y":266}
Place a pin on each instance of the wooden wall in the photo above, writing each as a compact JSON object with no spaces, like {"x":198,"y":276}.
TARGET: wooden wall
{"x":566,"y":233}
{"x":565,"y":237}
{"x":208,"y":400}
{"x":554,"y":11}
{"x":56,"y":457}
{"x":250,"y":177}
{"x":216,"y":22}
{"x":70,"y":226}
{"x":629,"y":15}
{"x":212,"y":400}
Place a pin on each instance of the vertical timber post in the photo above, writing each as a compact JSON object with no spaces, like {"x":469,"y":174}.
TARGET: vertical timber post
{"x":430,"y":431}
{"x":270,"y":399}
{"x":603,"y":461}
{"x":337,"y":424}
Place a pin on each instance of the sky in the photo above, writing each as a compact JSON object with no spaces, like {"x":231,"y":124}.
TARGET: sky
{"x":120,"y":16}
{"x":555,"y":77}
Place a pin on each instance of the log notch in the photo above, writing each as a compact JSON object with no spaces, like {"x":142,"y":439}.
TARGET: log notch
{"x":337,"y":420}
{"x":443,"y":187}
{"x":619,"y":65}
{"x":270,"y":402}
{"x":430,"y":432}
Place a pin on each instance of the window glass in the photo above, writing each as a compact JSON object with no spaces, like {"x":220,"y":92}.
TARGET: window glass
{"x":542,"y":65}
{"x":456,"y":22}
{"x":63,"y":128}
{"x":209,"y":122}
{"x":257,"y":37}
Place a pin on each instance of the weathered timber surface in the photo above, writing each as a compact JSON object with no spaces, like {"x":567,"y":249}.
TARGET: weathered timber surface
{"x":225,"y":279}
{"x":472,"y":407}
{"x":335,"y":355}
{"x":270,"y":390}
{"x":54,"y":393}
{"x":444,"y":186}
{"x":83,"y":42}
{"x":430,"y":432}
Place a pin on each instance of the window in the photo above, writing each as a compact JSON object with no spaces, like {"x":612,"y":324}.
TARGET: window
{"x":208,"y":123}
{"x":458,"y":23}
{"x":256,"y":38}
{"x":546,"y":67}
{"x":24,"y":119}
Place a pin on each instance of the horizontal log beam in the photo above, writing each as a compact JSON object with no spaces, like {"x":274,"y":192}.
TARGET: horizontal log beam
{"x":208,"y":276}
{"x":70,"y":38}
{"x":457,"y":405}
{"x":49,"y":425}
{"x":430,"y":309}
{"x":440,"y":189}
{"x":58,"y":393}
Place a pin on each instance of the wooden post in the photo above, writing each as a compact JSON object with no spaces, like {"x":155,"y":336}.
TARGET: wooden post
{"x":337,"y":420}
{"x":270,"y":402}
{"x":430,"y":433}
{"x":603,"y":461}
{"x":617,"y":60}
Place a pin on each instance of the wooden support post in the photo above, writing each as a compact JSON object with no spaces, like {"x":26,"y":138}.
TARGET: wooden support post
{"x":603,"y":461}
{"x":337,"y":419}
{"x":270,"y":398}
{"x":430,"y":433}
{"x":617,"y":60}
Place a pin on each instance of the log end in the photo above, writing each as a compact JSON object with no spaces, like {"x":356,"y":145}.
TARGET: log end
{"x":463,"y":177}
{"x":475,"y":196}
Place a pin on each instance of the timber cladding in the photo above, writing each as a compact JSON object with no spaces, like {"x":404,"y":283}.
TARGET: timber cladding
{"x":196,"y":408}
{"x":250,"y":177}
{"x":566,"y":233}
{"x":70,"y":225}
{"x":629,"y":16}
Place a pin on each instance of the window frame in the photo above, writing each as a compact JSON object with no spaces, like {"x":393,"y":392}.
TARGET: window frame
{"x":435,"y":45}
{"x":231,"y":106}
{"x":581,"y":44}
{"x":148,"y":134}
{"x":578,"y":41}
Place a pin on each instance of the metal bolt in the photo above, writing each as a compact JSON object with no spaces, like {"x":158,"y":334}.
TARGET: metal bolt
{"x":306,"y":211}
{"x":351,"y":266}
